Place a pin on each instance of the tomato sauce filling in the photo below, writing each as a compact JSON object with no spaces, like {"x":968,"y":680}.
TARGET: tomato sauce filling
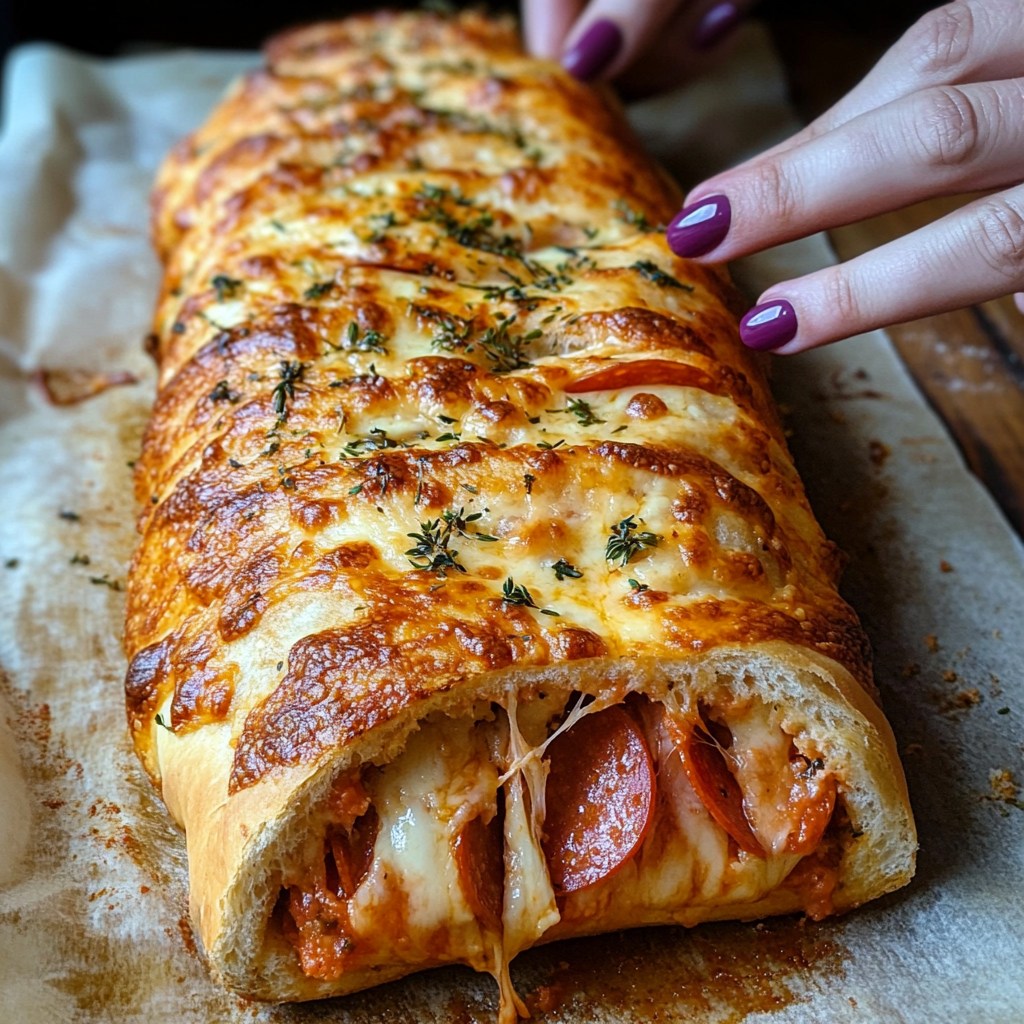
{"x":624,"y":784}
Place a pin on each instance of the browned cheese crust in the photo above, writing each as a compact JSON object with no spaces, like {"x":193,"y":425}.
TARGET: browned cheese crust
{"x":421,"y":342}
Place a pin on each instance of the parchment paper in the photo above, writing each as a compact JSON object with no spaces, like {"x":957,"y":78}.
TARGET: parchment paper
{"x":93,"y":922}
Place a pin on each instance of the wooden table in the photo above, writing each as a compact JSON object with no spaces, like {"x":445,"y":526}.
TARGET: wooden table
{"x":968,"y":364}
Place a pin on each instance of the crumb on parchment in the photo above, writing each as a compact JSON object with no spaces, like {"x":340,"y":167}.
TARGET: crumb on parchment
{"x":962,"y":699}
{"x":1003,"y":790}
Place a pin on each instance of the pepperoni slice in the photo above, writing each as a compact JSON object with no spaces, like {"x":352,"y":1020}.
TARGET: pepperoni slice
{"x":644,"y":373}
{"x":716,"y":786}
{"x":351,"y":854}
{"x":812,"y":802}
{"x":599,"y":799}
{"x":480,"y":860}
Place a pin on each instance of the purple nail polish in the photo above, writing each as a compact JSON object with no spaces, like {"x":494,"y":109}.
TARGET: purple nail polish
{"x":717,"y":23}
{"x":768,"y":326}
{"x":700,"y":227}
{"x":593,"y":51}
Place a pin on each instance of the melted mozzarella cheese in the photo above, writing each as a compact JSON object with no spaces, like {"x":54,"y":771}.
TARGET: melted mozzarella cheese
{"x":442,"y":779}
{"x":760,"y":758}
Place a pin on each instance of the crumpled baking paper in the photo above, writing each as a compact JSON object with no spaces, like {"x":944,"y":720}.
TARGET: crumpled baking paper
{"x":93,"y":921}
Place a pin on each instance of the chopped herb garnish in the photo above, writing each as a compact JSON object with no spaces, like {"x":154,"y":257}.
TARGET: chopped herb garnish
{"x":458,"y":522}
{"x":432,"y":551}
{"x":654,"y":273}
{"x":162,"y":722}
{"x":290,"y":372}
{"x":234,"y":464}
{"x":565,"y":569}
{"x":226,"y":287}
{"x":77,"y":559}
{"x":626,"y":540}
{"x":105,"y":581}
{"x":528,"y":479}
{"x":317,"y":290}
{"x":364,"y":341}
{"x":634,"y":218}
{"x":515,"y":593}
{"x":222,"y":393}
{"x":504,"y":349}
{"x":474,"y":232}
{"x":581,"y":410}
{"x":376,"y":440}
{"x":381,"y":222}
{"x":548,"y":446}
{"x":450,"y":332}
{"x":71,"y":517}
{"x":638,"y":586}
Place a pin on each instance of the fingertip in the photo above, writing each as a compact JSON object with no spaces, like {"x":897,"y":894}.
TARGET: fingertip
{"x":594,"y":50}
{"x":769,"y":326}
{"x":718,"y":22}
{"x":700,"y":227}
{"x":1018,"y":299}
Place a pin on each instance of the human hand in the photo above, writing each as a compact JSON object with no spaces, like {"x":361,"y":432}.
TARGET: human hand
{"x":645,"y":45}
{"x":942,"y":113}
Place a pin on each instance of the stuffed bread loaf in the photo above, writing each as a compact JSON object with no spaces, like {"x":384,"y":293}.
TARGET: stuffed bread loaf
{"x":477,"y":602}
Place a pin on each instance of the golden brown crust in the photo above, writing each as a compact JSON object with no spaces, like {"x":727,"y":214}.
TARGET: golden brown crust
{"x":419,"y":341}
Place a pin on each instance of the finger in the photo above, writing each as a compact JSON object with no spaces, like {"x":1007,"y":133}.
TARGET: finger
{"x":964,"y":42}
{"x":1018,"y":300}
{"x":546,"y":23}
{"x":693,"y":41}
{"x":941,"y":141}
{"x":970,"y":256}
{"x":610,"y":34}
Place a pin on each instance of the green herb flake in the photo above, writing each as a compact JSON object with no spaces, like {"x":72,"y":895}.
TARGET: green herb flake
{"x":654,"y":273}
{"x":222,"y":393}
{"x":564,"y":569}
{"x":581,"y":410}
{"x":514,"y":593}
{"x":634,"y":218}
{"x":431,"y":550}
{"x":318,"y":290}
{"x":627,"y":540}
{"x":105,"y":581}
{"x":357,"y":340}
{"x":289,"y":372}
{"x":376,"y":440}
{"x":225,"y":287}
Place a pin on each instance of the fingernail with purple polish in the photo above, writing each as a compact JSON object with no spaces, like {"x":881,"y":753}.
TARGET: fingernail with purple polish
{"x":700,"y":227}
{"x":717,"y":23}
{"x":593,"y":51}
{"x":768,"y":326}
